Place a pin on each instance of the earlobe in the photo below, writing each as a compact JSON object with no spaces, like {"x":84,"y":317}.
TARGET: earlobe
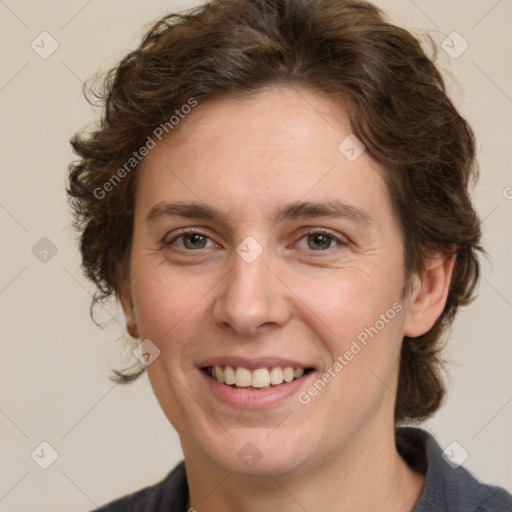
{"x":126,"y":300}
{"x":429,"y":294}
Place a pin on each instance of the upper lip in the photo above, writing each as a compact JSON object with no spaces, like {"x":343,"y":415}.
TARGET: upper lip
{"x":251,"y":363}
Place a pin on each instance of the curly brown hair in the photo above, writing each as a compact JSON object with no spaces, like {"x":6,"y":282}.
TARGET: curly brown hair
{"x":346,"y":49}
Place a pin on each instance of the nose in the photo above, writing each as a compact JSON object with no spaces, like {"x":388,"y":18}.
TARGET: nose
{"x":251,"y":298}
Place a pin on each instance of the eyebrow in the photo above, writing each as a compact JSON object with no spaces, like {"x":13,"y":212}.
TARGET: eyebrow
{"x":295,"y":210}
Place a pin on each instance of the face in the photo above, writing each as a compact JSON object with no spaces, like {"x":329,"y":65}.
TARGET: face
{"x":259,"y":244}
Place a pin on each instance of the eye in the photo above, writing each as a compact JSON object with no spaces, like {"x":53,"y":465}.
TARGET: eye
{"x":191,"y":240}
{"x":319,"y":241}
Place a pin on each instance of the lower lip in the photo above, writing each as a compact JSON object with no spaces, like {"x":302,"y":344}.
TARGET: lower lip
{"x":256,"y":399}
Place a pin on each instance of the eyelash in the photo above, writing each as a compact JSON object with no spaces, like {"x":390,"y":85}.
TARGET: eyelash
{"x":317,"y":231}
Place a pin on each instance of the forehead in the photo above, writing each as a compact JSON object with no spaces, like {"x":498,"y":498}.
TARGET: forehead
{"x":280,"y":145}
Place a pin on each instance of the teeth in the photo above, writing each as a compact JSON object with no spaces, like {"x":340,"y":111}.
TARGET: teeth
{"x":288,"y":374}
{"x":298,"y":372}
{"x":218,"y":374}
{"x":260,"y":378}
{"x":242,"y":377}
{"x":229,"y":375}
{"x":276,"y":375}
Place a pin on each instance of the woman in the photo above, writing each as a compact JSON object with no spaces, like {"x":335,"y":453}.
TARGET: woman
{"x":278,"y":197}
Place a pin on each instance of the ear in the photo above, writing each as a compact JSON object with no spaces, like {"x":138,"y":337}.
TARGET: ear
{"x":126,"y":300}
{"x":429,"y":293}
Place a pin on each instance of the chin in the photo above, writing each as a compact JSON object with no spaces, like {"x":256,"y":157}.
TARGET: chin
{"x":253,"y":451}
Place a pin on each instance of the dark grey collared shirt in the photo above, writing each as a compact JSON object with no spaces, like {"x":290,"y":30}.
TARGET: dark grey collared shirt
{"x":446,"y":488}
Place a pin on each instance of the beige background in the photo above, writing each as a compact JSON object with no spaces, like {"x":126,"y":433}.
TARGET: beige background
{"x":110,"y":439}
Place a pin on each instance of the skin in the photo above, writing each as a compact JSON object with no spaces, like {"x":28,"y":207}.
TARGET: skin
{"x":248,"y":158}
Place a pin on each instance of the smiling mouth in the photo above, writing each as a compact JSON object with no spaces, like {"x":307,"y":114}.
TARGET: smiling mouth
{"x":238,"y":377}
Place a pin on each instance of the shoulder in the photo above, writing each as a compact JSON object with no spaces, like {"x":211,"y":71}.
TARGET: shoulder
{"x":169,"y":494}
{"x":447,"y":486}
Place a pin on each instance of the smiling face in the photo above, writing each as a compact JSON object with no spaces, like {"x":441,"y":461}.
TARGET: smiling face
{"x":323,"y":266}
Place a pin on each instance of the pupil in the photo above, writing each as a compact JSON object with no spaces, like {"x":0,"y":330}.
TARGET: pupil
{"x":320,"y":241}
{"x":194,"y":240}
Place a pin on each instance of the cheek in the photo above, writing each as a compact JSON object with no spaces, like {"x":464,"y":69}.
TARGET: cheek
{"x":362,"y":347}
{"x":358,"y":317}
{"x":165,"y":303}
{"x":350,"y":299}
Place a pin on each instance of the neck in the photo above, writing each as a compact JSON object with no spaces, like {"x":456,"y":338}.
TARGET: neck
{"x":366,"y":474}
